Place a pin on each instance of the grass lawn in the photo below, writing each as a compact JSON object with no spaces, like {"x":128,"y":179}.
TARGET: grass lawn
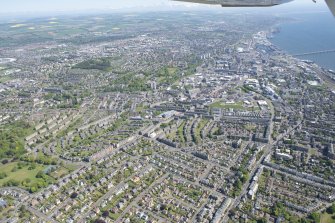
{"x":71,"y":166}
{"x":313,"y":151}
{"x":172,"y":70}
{"x":220,"y":104}
{"x":181,"y":132}
{"x":114,"y":216}
{"x":60,"y":172}
{"x":198,"y":129}
{"x":171,"y":136}
{"x":20,"y":174}
{"x":235,"y":106}
{"x":201,"y":125}
{"x":326,"y":218}
{"x":250,"y":127}
{"x":5,"y":79}
{"x":140,"y":108}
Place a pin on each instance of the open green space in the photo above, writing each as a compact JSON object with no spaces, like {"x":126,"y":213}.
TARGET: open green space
{"x":28,"y":176}
{"x":59,"y":173}
{"x":250,"y":127}
{"x":327,"y":218}
{"x":141,"y":108}
{"x":200,"y":126}
{"x":19,"y":174}
{"x":102,"y":64}
{"x":220,"y":104}
{"x":236,"y":106}
{"x":4,"y":79}
{"x":180,"y":132}
{"x":172,"y":70}
{"x":12,"y":139}
{"x":170,"y":75}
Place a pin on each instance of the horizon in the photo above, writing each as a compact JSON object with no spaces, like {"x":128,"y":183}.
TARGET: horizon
{"x":130,"y":111}
{"x":38,"y":8}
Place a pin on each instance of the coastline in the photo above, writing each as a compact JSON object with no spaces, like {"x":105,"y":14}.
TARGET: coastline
{"x":270,"y":34}
{"x":284,"y":39}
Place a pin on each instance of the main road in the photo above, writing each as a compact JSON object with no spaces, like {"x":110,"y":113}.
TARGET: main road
{"x":267,"y":151}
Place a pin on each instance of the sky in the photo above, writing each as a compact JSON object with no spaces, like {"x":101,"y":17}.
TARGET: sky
{"x":46,"y":6}
{"x":10,"y":6}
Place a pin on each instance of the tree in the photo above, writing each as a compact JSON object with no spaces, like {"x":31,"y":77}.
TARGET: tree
{"x":40,"y":174}
{"x":12,"y":139}
{"x":315,"y":217}
{"x":278,"y":209}
{"x":26,"y":182}
{"x":105,"y":214}
{"x":164,"y":125}
{"x":3,"y":175}
{"x":163,"y":207}
{"x":74,"y":195}
{"x":32,"y":166}
{"x":23,"y":208}
{"x":261,"y":220}
{"x":244,"y":178}
{"x":23,"y":212}
{"x":331,"y":209}
{"x":12,"y":183}
{"x":32,"y":189}
{"x":5,"y":161}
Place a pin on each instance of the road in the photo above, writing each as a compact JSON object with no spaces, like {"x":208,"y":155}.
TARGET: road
{"x":40,"y":215}
{"x":109,"y":193}
{"x":267,"y":151}
{"x":139,"y":197}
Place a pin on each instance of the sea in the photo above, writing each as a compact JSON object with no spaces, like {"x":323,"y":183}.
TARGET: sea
{"x":310,"y":32}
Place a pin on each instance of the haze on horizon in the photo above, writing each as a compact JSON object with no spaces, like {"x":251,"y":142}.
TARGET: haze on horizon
{"x":17,"y":7}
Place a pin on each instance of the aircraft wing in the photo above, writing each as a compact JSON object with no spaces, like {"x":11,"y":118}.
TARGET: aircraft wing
{"x":331,"y":5}
{"x":240,"y":3}
{"x":252,"y":3}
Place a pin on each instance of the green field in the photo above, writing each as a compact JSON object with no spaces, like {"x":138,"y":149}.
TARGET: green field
{"x":4,"y":79}
{"x":12,"y":139}
{"x":59,"y":173}
{"x":102,"y":64}
{"x":26,"y":175}
{"x":198,"y":129}
{"x":172,"y":70}
{"x":327,"y":218}
{"x":180,"y":132}
{"x":168,"y":75}
{"x":250,"y":127}
{"x":235,"y":106}
{"x":219,"y":104}
{"x":20,"y":174}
